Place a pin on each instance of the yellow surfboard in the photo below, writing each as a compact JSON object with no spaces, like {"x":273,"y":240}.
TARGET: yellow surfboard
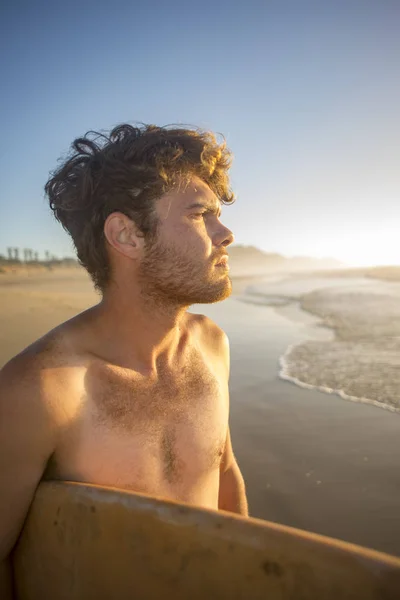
{"x":84,"y":542}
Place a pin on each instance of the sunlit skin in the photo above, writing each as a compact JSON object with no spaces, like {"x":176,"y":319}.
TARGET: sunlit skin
{"x":132,"y":393}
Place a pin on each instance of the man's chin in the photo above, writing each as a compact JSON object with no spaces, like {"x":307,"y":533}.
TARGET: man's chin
{"x":216,"y":292}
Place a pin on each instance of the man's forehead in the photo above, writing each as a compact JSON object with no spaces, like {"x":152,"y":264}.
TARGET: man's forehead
{"x":195,"y":193}
{"x":198,"y":191}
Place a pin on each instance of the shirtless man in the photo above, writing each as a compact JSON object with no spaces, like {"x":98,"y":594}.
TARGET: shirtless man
{"x":133,"y":392}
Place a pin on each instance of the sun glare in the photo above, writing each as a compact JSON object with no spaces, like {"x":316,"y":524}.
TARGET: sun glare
{"x":379,"y":251}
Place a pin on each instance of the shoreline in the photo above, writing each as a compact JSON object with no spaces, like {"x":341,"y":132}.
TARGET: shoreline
{"x":284,"y":374}
{"x":284,"y":364}
{"x":297,"y":356}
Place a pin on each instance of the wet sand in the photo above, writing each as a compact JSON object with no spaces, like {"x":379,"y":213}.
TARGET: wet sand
{"x":310,"y":460}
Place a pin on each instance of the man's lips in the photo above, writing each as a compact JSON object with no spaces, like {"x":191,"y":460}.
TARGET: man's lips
{"x":222,"y":262}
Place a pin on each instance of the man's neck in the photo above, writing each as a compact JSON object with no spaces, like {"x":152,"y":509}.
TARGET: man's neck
{"x":138,"y":330}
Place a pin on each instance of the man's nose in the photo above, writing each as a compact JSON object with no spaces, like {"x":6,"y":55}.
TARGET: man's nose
{"x":227,"y":237}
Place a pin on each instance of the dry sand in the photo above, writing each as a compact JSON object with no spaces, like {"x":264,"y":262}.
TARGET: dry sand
{"x":310,"y":460}
{"x":32,"y":303}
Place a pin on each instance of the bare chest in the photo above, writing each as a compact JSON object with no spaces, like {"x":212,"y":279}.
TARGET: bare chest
{"x":144,"y":435}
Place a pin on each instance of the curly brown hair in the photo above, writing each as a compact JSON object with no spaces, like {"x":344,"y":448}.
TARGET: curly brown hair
{"x":126,"y":171}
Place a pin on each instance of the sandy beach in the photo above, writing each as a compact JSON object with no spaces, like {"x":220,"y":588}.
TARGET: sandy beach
{"x":311,"y":459}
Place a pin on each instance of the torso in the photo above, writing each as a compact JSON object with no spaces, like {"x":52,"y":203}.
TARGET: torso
{"x":164,"y":436}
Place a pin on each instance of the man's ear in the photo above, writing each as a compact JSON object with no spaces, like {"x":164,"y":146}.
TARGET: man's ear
{"x":123,"y":235}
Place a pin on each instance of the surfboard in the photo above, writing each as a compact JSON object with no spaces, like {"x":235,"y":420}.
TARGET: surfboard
{"x":84,"y":542}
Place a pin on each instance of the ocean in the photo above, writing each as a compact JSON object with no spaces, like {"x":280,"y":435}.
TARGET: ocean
{"x":352,"y":344}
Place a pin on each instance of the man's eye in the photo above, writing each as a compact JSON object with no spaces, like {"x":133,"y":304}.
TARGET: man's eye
{"x":198,"y":215}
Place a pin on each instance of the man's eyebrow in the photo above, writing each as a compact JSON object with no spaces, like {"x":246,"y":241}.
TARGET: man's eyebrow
{"x":208,"y":207}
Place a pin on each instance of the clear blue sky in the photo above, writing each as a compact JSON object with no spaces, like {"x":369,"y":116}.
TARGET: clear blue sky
{"x":306,"y":93}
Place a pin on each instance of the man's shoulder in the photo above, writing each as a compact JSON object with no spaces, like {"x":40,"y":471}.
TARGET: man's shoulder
{"x":60,"y":347}
{"x":212,"y":337}
{"x":38,"y":370}
{"x":28,"y":362}
{"x":207,"y":327}
{"x":24,"y":376}
{"x":24,"y":401}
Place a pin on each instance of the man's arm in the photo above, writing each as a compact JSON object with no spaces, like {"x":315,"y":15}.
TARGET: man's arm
{"x":232,"y":492}
{"x":26,"y":443}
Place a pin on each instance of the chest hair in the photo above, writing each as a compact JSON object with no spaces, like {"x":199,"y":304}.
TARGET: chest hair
{"x":127,"y":401}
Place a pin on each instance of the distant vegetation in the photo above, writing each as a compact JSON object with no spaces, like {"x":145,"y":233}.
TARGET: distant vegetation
{"x":26,"y":257}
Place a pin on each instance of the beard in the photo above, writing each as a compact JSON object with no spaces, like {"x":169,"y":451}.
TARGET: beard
{"x":169,"y":275}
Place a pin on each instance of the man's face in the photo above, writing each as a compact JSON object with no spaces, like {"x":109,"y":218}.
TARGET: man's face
{"x":180,"y":264}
